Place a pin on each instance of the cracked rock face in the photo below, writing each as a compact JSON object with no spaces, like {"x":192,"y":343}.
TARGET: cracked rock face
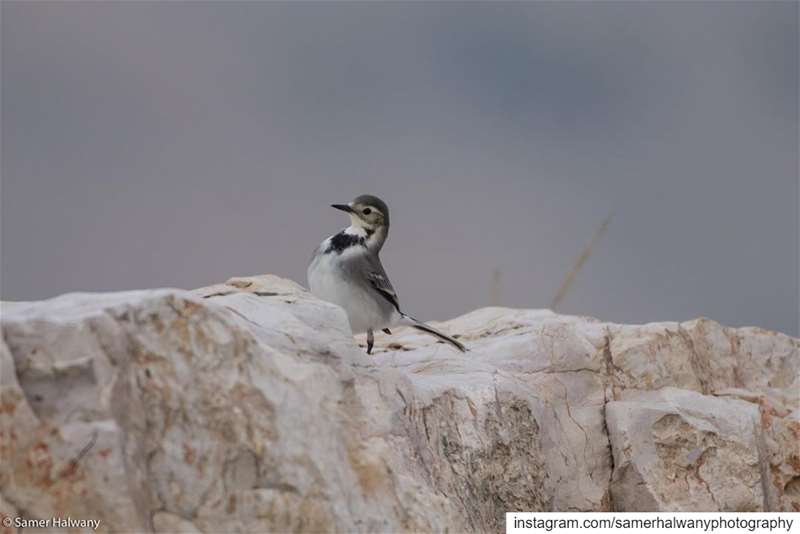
{"x":249,"y":406}
{"x":677,"y":450}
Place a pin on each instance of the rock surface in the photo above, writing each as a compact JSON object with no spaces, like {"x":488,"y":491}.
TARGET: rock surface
{"x":249,"y":406}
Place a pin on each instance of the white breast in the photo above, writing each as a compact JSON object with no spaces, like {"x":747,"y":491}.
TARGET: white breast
{"x":327,"y":280}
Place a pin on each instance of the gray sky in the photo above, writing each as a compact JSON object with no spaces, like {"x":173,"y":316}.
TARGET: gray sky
{"x":154,"y":144}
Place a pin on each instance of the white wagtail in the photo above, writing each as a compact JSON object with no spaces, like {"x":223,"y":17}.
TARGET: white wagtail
{"x":347,"y":271}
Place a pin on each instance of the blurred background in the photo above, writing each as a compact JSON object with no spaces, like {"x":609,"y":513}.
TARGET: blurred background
{"x":151,"y":144}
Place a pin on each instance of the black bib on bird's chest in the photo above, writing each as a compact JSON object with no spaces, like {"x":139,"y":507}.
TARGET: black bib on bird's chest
{"x":343,"y":240}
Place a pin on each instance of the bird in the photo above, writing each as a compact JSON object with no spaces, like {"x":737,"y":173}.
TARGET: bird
{"x":346,"y":270}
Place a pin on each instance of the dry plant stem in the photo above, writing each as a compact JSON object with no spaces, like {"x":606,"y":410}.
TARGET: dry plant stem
{"x":567,"y":283}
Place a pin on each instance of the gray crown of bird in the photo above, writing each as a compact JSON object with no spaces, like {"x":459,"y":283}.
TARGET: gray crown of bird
{"x":346,"y":270}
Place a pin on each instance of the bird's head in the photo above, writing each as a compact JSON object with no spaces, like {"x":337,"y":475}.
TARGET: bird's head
{"x":367,"y":212}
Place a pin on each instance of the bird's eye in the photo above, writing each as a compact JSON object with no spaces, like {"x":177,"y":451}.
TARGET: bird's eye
{"x":366,"y":211}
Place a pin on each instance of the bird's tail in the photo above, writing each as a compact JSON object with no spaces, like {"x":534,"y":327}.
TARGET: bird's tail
{"x":419,"y":325}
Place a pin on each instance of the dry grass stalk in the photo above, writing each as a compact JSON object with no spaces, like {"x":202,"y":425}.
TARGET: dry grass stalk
{"x":567,"y":283}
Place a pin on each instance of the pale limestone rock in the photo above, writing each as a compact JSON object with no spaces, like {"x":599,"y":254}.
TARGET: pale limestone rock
{"x":170,"y":523}
{"x":7,"y":513}
{"x":781,"y":455}
{"x":678,"y":450}
{"x":249,"y":406}
{"x":704,"y":356}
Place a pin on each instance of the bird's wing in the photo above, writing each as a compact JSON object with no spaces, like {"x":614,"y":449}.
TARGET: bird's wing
{"x":379,"y":281}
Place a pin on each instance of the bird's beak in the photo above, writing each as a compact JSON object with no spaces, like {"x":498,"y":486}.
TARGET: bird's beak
{"x":343,"y":207}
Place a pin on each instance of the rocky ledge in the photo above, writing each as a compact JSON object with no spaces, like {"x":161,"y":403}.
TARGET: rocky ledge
{"x":248,"y":406}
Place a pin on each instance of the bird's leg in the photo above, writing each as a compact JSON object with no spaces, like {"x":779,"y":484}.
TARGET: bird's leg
{"x":370,"y":341}
{"x":387,"y":331}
